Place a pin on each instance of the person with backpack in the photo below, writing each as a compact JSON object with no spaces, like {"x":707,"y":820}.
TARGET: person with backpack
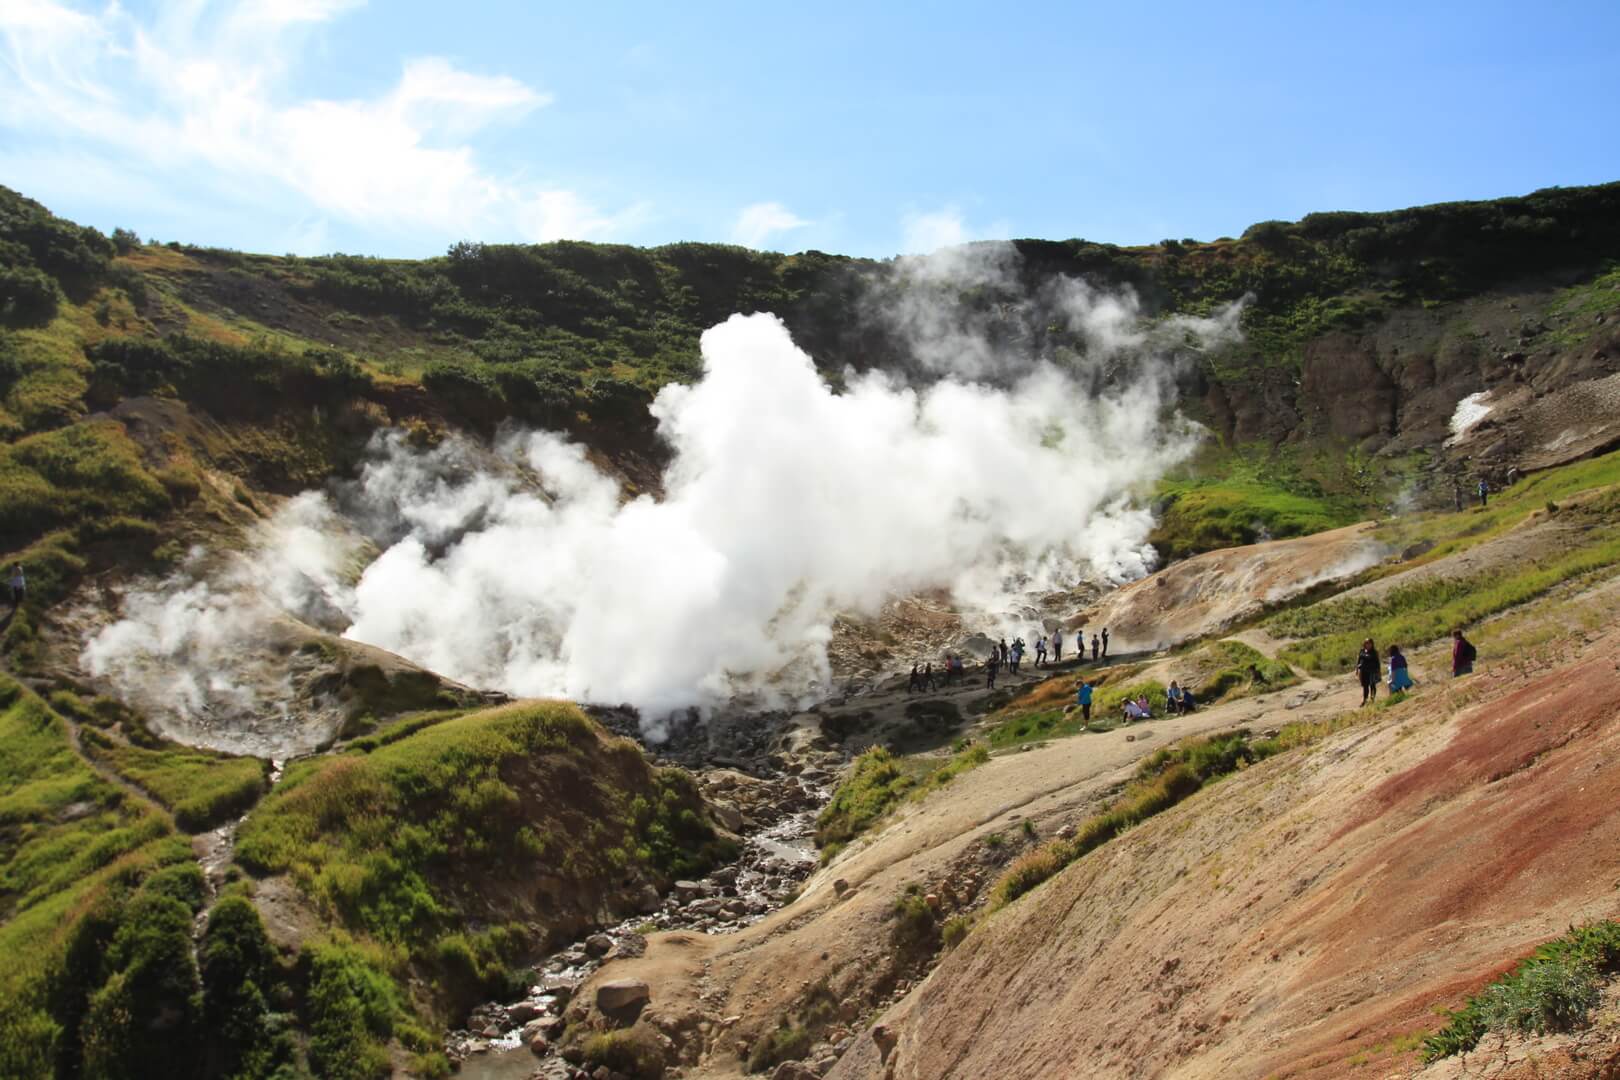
{"x":1017,"y":655}
{"x":1367,"y":668}
{"x":1399,"y":677}
{"x":1462,"y":654}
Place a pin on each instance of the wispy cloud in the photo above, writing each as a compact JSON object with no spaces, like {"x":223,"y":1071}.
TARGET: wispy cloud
{"x":923,"y":232}
{"x":205,"y":95}
{"x":758,"y":222}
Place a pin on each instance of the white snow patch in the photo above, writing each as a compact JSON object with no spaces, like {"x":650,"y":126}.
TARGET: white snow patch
{"x":1470,"y":411}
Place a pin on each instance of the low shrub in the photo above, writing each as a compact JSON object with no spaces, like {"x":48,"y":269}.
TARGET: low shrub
{"x":1553,"y":989}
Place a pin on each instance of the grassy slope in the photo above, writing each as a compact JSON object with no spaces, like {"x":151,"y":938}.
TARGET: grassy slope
{"x":459,"y":821}
{"x":1330,"y":632}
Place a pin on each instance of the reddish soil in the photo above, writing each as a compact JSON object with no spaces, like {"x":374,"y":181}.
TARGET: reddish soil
{"x":1299,"y":917}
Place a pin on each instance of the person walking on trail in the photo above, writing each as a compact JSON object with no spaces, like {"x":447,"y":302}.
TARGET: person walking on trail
{"x":1484,"y":489}
{"x":1040,"y":651}
{"x":928,"y":676}
{"x":990,"y":667}
{"x":916,"y":679}
{"x":1462,"y":654}
{"x":1399,"y":677}
{"x":1094,"y":646}
{"x":1083,"y":696}
{"x":1367,"y":669}
{"x":19,"y":585}
{"x":1057,"y":647}
{"x":1105,"y":642}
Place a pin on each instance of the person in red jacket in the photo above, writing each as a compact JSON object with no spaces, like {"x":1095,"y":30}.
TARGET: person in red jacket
{"x":1462,"y":654}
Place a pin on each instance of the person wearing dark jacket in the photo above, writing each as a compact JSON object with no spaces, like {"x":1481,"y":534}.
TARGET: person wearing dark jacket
{"x":1462,"y":654}
{"x":1367,"y":667}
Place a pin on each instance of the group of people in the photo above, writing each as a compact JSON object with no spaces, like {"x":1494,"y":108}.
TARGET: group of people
{"x":1370,"y":670}
{"x":1007,"y":657}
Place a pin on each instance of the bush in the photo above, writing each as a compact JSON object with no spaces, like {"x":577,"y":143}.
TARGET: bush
{"x":628,"y":1052}
{"x":28,"y":297}
{"x":788,"y":1042}
{"x":1553,"y":989}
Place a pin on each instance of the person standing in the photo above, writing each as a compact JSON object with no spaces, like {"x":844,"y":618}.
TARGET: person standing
{"x":1484,"y":489}
{"x":1399,"y":677}
{"x":19,"y":585}
{"x":1105,"y":643}
{"x":1084,"y":698}
{"x":1040,"y":651}
{"x":1094,"y":646}
{"x":928,"y":677}
{"x":1462,"y":654}
{"x":916,"y":679}
{"x":990,"y":667}
{"x":1017,"y":655}
{"x":1057,"y":646}
{"x":1367,"y":669}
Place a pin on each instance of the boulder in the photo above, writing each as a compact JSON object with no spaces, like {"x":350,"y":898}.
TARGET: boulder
{"x":523,"y":1012}
{"x":794,"y":1070}
{"x":598,"y":945}
{"x":622,"y":994}
{"x":687,"y":890}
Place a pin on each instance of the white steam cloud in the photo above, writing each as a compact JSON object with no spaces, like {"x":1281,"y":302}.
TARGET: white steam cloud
{"x":784,"y":504}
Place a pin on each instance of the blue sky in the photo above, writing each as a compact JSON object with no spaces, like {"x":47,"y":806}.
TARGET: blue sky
{"x":397,"y":128}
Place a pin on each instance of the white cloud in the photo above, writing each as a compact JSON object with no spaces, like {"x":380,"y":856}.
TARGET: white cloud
{"x":924,"y":232}
{"x":184,"y":90}
{"x":756,"y":223}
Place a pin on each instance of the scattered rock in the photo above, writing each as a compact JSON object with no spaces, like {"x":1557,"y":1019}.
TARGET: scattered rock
{"x":523,"y":1012}
{"x":794,"y":1070}
{"x":840,"y":887}
{"x":539,"y":1046}
{"x":598,"y":945}
{"x":622,"y":994}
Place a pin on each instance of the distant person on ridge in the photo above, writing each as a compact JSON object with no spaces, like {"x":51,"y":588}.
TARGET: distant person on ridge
{"x":19,"y":585}
{"x":1367,"y":669}
{"x":1084,"y":698}
{"x":1105,"y":642}
{"x":1484,"y":489}
{"x":1057,"y":646}
{"x":1399,"y":677}
{"x":1462,"y":654}
{"x":1095,"y":645}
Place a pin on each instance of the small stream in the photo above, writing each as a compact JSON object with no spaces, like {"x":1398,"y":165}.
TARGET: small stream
{"x":774,"y":861}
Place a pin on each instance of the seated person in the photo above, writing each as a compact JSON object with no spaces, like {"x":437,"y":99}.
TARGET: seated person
{"x":1133,"y":711}
{"x":1173,"y":697}
{"x":1142,"y":704}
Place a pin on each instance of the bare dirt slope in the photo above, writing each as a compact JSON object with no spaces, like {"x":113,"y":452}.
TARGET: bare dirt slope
{"x":840,"y":928}
{"x":1296,"y":918}
{"x":1203,"y":594}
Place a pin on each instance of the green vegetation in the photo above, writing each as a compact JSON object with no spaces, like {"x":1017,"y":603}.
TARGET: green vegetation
{"x":631,"y":1053}
{"x":1229,"y":669}
{"x":1411,"y":615}
{"x":379,"y":840}
{"x":1553,"y":989}
{"x":787,"y":1043}
{"x":201,"y":787}
{"x":877,"y":782}
{"x":1163,"y":779}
